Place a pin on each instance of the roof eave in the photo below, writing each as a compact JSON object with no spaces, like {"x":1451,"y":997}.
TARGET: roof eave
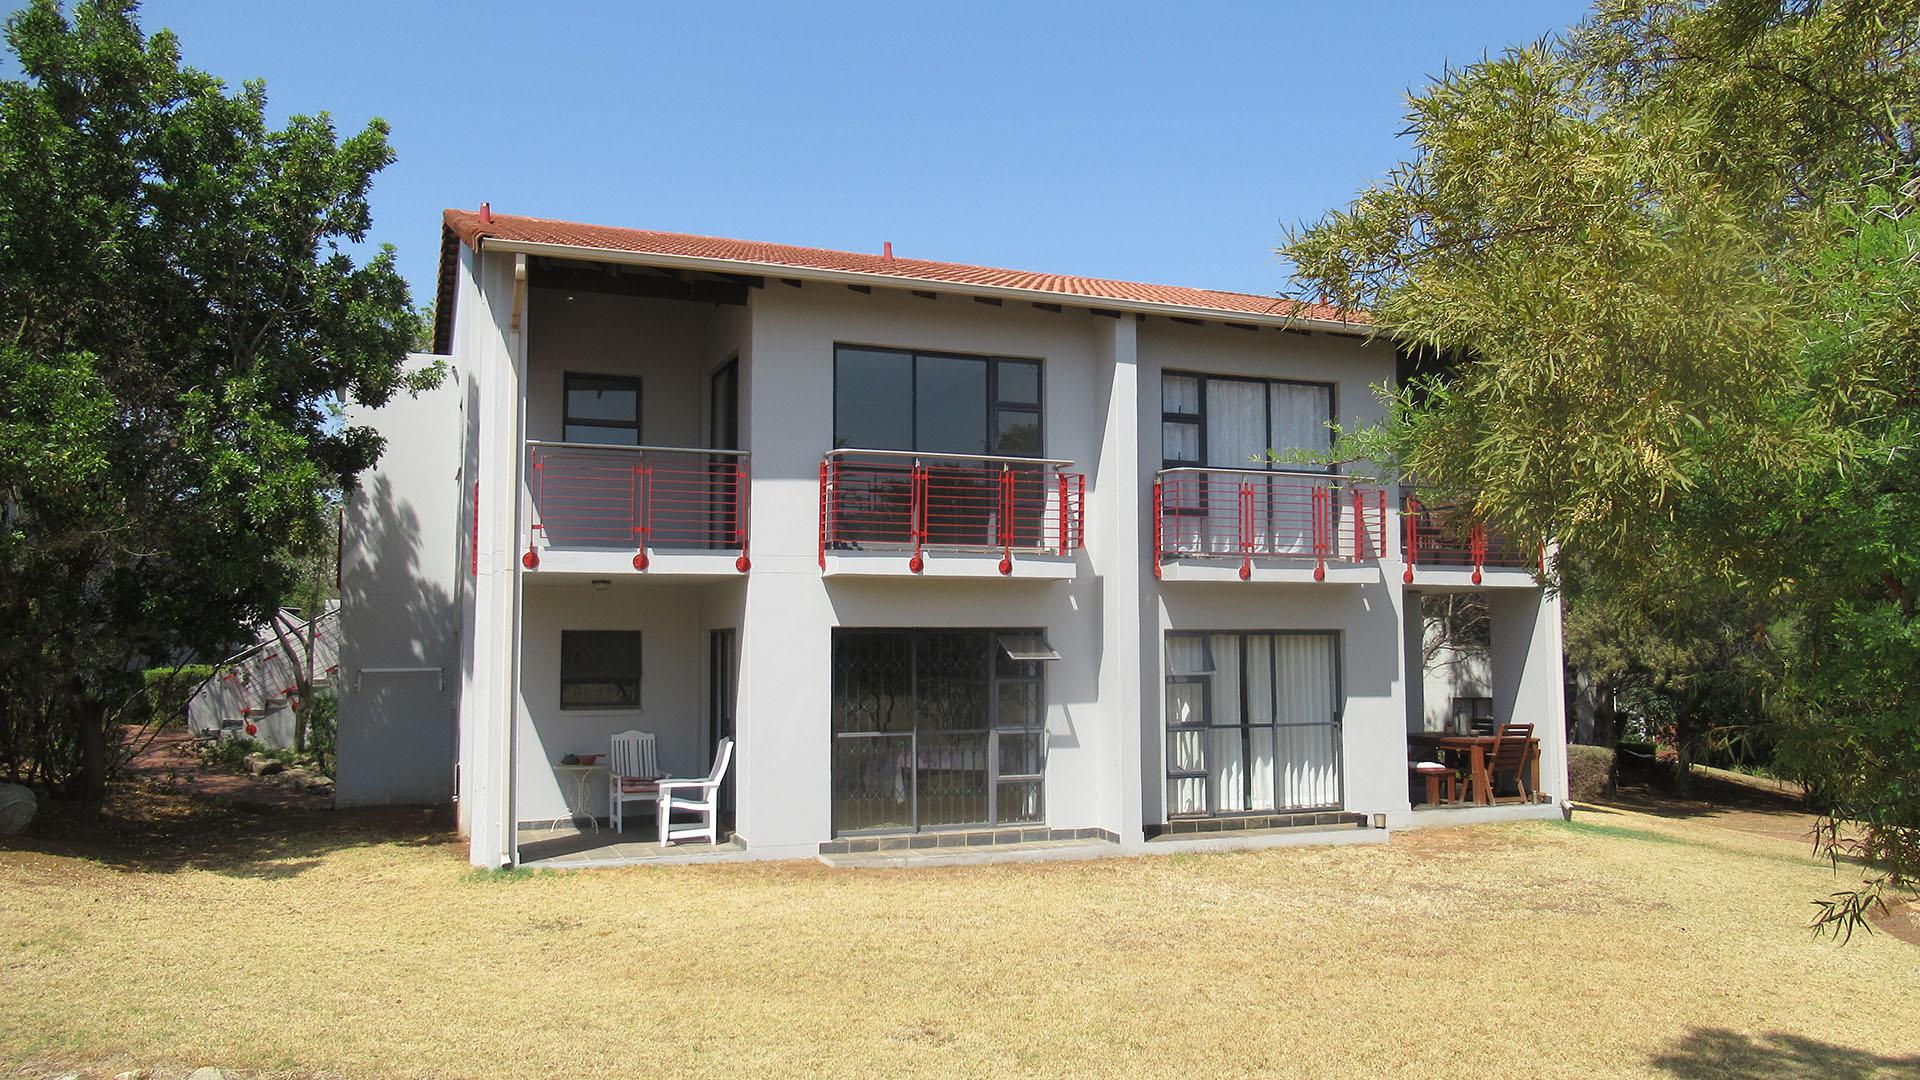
{"x":859,"y":277}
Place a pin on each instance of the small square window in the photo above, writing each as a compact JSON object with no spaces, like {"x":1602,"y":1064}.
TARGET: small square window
{"x":602,"y":409}
{"x":600,"y":669}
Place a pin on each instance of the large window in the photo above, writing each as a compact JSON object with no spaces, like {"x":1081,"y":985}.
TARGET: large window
{"x":599,"y":669}
{"x":602,"y":409}
{"x":937,"y":729}
{"x":1226,"y":422}
{"x":944,"y":403}
{"x":1220,"y":422}
{"x":1253,"y":723}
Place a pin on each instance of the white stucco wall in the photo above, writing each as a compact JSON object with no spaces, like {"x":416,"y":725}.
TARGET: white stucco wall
{"x":673,"y":643}
{"x":1366,"y":617}
{"x":791,"y":608}
{"x":1105,"y":697}
{"x":400,"y":556}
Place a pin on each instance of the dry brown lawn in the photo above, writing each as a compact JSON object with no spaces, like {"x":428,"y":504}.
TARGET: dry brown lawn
{"x":1626,"y":943}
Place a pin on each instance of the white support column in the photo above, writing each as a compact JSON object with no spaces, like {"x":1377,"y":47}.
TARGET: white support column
{"x":1529,"y":676}
{"x":1119,"y":552}
{"x":495,"y":355}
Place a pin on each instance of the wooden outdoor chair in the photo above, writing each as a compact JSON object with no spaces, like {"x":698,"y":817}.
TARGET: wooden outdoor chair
{"x":633,"y":774}
{"x":1512,"y":752}
{"x":705,"y":801}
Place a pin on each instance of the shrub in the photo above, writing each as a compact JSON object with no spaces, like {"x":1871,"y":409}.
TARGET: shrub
{"x":323,"y":731}
{"x":1589,"y":773}
{"x":231,"y":753}
{"x":168,"y":689}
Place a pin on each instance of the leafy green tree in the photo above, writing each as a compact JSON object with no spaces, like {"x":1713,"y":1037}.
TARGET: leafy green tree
{"x":1690,"y":654}
{"x":1670,"y":256}
{"x":179,"y":301}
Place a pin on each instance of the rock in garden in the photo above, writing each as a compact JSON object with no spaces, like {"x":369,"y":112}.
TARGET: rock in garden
{"x":262,"y":765}
{"x":17,"y":806}
{"x":207,"y":1072}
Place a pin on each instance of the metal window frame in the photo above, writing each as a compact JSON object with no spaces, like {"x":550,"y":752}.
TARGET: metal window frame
{"x":1336,"y":724}
{"x":639,"y":668}
{"x":992,"y":729}
{"x":1199,"y":507}
{"x":994,"y":404}
{"x":568,"y":420}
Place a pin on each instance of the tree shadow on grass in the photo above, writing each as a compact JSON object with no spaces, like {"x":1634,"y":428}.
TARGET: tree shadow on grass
{"x":141,"y":830}
{"x":1717,"y":1052}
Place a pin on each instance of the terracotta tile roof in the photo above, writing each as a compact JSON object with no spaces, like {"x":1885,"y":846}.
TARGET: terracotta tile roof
{"x":467,"y":226}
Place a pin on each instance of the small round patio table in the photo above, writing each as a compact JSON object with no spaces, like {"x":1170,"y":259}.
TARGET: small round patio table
{"x":579,"y":791}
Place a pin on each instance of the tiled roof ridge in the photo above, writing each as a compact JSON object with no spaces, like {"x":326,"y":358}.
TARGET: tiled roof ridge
{"x":471,"y":228}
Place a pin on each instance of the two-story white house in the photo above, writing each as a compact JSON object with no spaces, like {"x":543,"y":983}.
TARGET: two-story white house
{"x":958,"y":556}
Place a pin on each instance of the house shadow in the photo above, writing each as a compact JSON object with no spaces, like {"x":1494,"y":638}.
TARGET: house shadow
{"x":399,"y":652}
{"x":139,"y":832}
{"x":1719,"y":1053}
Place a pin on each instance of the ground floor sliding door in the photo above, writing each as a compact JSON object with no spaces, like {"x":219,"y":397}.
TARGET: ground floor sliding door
{"x":1253,"y":723}
{"x":937,"y":729}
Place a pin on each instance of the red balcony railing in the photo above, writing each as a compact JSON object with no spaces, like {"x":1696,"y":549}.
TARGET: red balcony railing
{"x":638,"y":498}
{"x":1249,"y":514}
{"x":1440,"y":533}
{"x":899,"y":500}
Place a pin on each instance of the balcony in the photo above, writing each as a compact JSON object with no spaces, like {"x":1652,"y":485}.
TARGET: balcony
{"x":663,"y":509}
{"x":894,"y":512}
{"x":1266,"y":524}
{"x":1446,"y":545}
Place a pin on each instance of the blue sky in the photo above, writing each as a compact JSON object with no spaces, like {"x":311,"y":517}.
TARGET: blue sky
{"x":1157,"y":142}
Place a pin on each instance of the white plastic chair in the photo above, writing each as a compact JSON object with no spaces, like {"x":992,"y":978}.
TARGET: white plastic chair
{"x":707,"y":805}
{"x":633,"y":773}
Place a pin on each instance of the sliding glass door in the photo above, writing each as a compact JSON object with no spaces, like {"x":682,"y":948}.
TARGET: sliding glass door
{"x":1253,"y":723}
{"x":936,"y":729}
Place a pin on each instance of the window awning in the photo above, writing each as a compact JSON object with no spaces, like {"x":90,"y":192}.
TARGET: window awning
{"x":1026,"y":647}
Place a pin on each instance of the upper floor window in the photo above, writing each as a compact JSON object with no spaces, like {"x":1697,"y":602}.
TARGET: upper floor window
{"x":940,"y":403}
{"x":1230,"y":422}
{"x":602,"y":409}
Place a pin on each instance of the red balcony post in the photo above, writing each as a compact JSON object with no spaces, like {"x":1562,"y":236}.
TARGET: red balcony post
{"x":1359,"y":525}
{"x":531,"y":560}
{"x":1063,"y":512}
{"x":1477,"y":547}
{"x":917,"y":517}
{"x":1321,"y":505}
{"x":1246,"y":531}
{"x":741,"y":489}
{"x":1159,"y":528}
{"x":1080,"y":512}
{"x":1410,"y":514}
{"x":1381,"y":551}
{"x":640,"y":512}
{"x":823,"y":513}
{"x":1006,"y":520}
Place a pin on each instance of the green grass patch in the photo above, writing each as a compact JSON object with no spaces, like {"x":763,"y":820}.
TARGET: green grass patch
{"x":1621,"y":832}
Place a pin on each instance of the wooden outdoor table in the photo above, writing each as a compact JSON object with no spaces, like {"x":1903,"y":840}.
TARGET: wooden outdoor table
{"x":1476,"y":748}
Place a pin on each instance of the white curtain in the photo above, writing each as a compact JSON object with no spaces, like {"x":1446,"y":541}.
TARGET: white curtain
{"x":1309,"y":736}
{"x":1299,"y":414}
{"x":1236,"y":439}
{"x":1225,"y":755}
{"x":1260,"y":713}
{"x":1180,"y":394}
